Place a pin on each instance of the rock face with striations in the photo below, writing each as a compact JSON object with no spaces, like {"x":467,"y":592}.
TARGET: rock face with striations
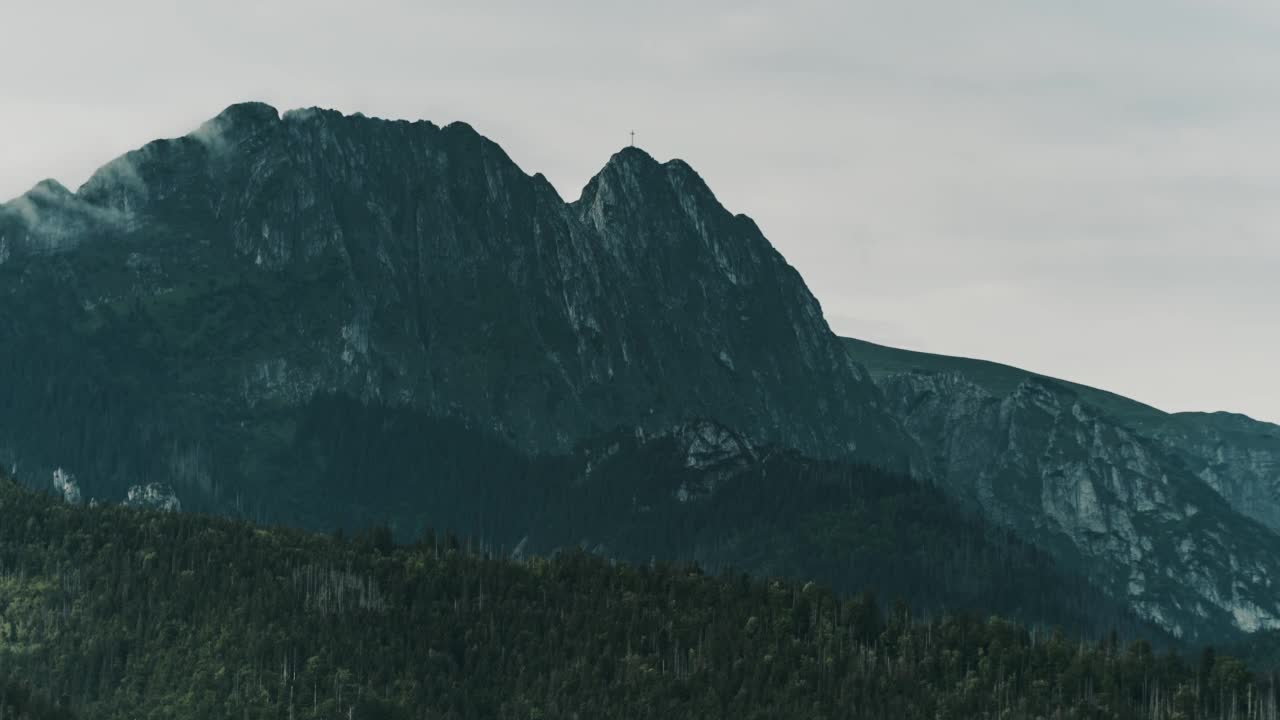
{"x":176,"y":317}
{"x":1152,"y":509}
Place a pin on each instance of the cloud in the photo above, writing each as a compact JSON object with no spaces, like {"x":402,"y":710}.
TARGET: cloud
{"x":52,"y":219}
{"x":122,"y":173}
{"x":213,"y":135}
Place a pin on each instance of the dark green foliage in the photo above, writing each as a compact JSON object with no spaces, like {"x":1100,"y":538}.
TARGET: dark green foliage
{"x":1260,"y":650}
{"x":19,"y":701}
{"x":128,"y":614}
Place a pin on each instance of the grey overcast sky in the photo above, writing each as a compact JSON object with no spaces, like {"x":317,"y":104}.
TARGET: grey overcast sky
{"x":1088,"y":189}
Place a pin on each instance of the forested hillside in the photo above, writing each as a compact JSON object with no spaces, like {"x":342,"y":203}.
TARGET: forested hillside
{"x":19,"y":701}
{"x":124,"y":613}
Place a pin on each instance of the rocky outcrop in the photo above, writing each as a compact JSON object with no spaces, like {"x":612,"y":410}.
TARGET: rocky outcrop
{"x":714,"y":450}
{"x":65,"y":485}
{"x":155,"y":496}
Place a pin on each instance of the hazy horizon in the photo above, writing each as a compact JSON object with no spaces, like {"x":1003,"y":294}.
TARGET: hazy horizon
{"x":1084,"y":192}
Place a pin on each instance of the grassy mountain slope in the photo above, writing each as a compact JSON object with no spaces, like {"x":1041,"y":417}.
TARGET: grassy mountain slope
{"x":1235,"y":454}
{"x":996,"y":378}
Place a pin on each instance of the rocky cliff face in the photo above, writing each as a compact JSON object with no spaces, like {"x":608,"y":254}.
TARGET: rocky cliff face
{"x":1076,"y":477}
{"x":1236,"y":455}
{"x":66,"y":487}
{"x":167,"y":321}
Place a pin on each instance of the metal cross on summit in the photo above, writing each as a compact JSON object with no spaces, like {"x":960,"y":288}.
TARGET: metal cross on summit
{"x":633,"y":138}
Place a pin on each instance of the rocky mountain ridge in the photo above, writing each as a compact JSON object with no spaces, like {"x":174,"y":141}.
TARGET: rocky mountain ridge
{"x":209,"y":286}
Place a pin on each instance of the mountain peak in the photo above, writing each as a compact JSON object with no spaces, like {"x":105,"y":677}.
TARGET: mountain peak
{"x":635,"y":162}
{"x":236,"y":122}
{"x":50,"y":187}
{"x":629,"y":172}
{"x":632,"y":156}
{"x":632,"y":182}
{"x":45,"y":190}
{"x":249,"y":113}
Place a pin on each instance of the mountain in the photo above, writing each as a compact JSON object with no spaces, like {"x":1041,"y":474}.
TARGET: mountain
{"x":181,"y":317}
{"x":123,"y":612}
{"x":1154,"y":507}
{"x":334,"y":321}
